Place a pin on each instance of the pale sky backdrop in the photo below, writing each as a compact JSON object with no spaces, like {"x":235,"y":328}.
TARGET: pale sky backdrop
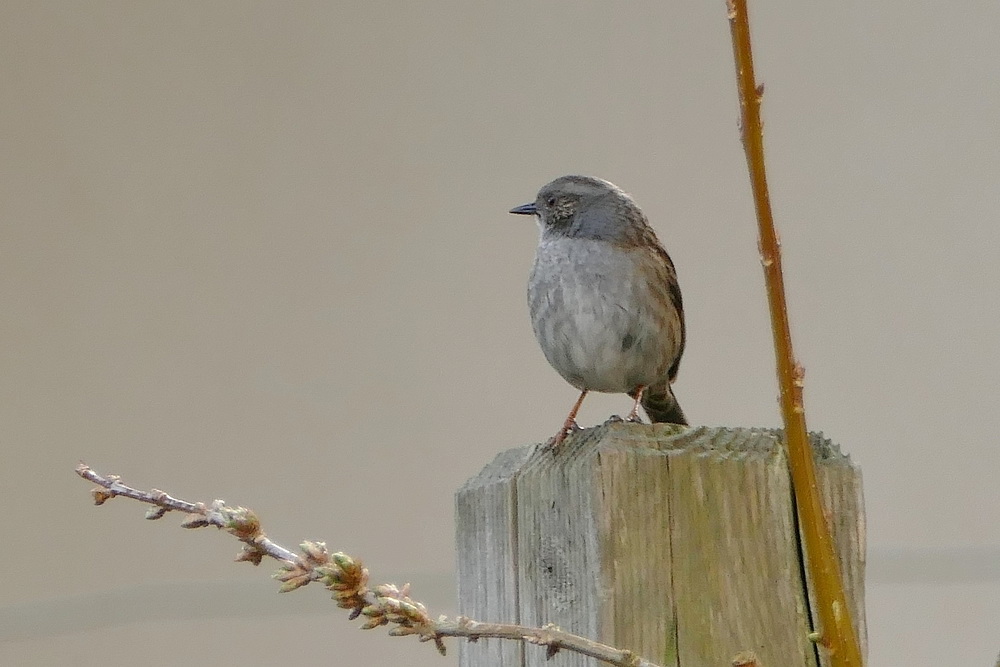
{"x":261,"y":252}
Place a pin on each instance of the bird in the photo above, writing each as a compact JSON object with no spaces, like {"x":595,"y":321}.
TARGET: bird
{"x":603,"y":297}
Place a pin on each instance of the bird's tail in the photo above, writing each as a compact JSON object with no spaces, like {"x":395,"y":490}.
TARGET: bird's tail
{"x":661,"y":406}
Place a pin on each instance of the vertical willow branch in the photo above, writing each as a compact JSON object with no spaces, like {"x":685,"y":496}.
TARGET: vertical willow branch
{"x":837,"y":631}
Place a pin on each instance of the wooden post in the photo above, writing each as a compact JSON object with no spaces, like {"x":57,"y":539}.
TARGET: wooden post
{"x":680,"y":544}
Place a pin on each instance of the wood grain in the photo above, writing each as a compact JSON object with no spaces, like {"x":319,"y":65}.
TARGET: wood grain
{"x":680,"y":544}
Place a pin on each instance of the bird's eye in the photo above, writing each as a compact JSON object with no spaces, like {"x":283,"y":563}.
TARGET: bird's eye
{"x":551,"y":201}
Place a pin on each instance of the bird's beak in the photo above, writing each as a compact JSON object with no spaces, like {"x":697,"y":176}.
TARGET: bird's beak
{"x":525,"y":209}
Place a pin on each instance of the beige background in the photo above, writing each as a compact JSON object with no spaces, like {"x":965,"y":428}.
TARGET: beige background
{"x":260,"y":251}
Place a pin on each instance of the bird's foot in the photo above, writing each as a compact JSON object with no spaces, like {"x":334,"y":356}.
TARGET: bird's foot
{"x":629,"y":419}
{"x":633,"y":414}
{"x":569,"y":427}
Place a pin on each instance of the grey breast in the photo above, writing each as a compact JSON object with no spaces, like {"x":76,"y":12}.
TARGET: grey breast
{"x":592,"y":319}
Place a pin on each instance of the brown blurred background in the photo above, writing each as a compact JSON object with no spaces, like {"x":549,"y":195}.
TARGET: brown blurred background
{"x":260,"y":251}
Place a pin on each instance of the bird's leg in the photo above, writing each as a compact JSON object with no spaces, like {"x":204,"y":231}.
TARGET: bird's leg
{"x":633,"y":416}
{"x":570,"y":424}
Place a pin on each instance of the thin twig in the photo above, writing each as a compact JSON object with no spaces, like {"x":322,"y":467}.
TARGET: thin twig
{"x":347,"y":578}
{"x":837,"y":630}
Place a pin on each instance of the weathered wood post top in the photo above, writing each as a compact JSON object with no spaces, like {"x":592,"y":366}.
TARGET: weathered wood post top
{"x":680,"y":544}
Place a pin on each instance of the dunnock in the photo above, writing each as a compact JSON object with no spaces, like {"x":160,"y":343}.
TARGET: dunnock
{"x":603,"y":296}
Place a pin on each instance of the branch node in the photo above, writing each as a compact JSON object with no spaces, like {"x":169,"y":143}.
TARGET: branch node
{"x":154,"y":513}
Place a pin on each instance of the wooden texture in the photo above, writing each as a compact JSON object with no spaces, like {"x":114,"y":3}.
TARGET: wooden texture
{"x":679,"y":544}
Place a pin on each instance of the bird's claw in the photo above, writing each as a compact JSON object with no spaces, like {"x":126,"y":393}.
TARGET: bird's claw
{"x":629,"y":419}
{"x":556,"y":440}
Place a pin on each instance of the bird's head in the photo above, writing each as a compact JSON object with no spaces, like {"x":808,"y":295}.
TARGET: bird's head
{"x":581,"y":206}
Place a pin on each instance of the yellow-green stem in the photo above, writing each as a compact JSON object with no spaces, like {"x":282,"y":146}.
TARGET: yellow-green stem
{"x":837,"y":630}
